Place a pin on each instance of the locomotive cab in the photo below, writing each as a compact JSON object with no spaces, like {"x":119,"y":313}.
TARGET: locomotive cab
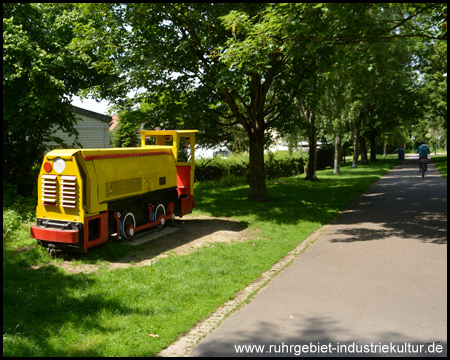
{"x":88,"y":196}
{"x":183,"y":148}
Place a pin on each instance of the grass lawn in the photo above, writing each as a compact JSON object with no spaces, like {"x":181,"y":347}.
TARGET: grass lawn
{"x":49,"y":312}
{"x":441,"y":163}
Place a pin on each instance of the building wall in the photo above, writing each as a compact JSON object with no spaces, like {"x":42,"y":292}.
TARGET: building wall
{"x":93,"y":132}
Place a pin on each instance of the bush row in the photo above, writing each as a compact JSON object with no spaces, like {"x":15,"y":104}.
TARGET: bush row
{"x":280,"y":164}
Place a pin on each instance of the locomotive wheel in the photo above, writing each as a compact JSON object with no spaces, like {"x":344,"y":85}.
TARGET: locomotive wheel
{"x":160,"y":210}
{"x":128,"y":225}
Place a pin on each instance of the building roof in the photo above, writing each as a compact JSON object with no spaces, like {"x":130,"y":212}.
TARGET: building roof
{"x":91,"y":114}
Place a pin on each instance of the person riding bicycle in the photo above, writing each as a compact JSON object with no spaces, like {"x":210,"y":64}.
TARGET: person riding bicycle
{"x":423,"y":150}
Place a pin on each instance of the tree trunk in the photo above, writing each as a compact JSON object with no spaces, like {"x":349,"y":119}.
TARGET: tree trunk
{"x":257,"y":178}
{"x":355,"y":148}
{"x":255,"y":126}
{"x":312,"y":137}
{"x":385,"y":147}
{"x":362,"y":143}
{"x":336,"y":95}
{"x":308,"y":109}
{"x":337,"y":154}
{"x":373,"y":148}
{"x":312,"y":158}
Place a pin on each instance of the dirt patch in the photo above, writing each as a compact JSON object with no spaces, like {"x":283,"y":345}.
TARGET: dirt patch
{"x":194,"y":232}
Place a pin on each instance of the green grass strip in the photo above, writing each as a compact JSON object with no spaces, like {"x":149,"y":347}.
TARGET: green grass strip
{"x":441,"y":164}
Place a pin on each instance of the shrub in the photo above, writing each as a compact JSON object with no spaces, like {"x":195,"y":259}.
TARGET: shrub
{"x":16,"y":208}
{"x":11,"y":221}
{"x":279,"y":164}
{"x":283,"y":164}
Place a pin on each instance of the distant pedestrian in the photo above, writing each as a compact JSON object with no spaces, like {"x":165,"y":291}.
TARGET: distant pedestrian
{"x":401,"y":152}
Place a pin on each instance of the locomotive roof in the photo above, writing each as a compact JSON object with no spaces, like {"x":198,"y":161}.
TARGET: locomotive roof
{"x":107,"y":151}
{"x":90,"y":154}
{"x":167,"y":132}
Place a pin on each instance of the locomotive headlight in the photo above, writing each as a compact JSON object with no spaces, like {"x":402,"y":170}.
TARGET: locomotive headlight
{"x":59,"y":165}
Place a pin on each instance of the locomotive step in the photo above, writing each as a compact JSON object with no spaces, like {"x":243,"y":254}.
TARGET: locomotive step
{"x":146,"y":236}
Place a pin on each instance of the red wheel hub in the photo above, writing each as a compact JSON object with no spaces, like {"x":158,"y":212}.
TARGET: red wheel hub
{"x":129,"y":231}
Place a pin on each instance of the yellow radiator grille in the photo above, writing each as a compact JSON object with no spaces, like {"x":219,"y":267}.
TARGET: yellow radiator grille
{"x":68,"y":191}
{"x":48,"y":188}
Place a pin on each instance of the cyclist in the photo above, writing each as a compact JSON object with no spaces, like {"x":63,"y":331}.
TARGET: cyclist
{"x":423,"y":150}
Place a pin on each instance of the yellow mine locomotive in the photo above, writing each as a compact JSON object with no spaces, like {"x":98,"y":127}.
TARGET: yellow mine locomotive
{"x":87,"y":196}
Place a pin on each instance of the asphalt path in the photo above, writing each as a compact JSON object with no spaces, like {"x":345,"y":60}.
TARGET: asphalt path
{"x":373,"y":284}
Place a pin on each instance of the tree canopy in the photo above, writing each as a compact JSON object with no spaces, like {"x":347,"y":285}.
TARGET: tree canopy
{"x":231,"y":68}
{"x":41,"y":72}
{"x":237,"y":64}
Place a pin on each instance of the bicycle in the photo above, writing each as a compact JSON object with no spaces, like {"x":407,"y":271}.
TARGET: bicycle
{"x":424,"y":166}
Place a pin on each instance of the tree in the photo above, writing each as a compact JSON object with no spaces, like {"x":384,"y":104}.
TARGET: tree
{"x":392,"y":98}
{"x":228,"y":64}
{"x":126,"y":134}
{"x":307,"y":108}
{"x":434,"y":88}
{"x":333,"y":109}
{"x":40,"y":74}
{"x":384,"y":94}
{"x":231,"y":62}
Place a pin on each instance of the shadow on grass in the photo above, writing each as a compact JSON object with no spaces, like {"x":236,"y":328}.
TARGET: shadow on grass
{"x":37,"y":304}
{"x":192,"y":234}
{"x":292,"y":201}
{"x":190,"y":230}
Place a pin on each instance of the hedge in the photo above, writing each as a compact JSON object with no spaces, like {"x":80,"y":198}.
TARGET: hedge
{"x":280,"y":164}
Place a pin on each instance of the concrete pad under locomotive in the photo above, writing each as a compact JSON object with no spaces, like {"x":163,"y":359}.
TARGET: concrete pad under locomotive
{"x":88,"y":196}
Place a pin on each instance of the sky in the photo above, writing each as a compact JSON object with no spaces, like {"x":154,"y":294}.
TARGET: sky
{"x":92,"y":105}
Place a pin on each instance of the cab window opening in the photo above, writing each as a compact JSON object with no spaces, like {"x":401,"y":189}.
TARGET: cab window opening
{"x":184,"y":150}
